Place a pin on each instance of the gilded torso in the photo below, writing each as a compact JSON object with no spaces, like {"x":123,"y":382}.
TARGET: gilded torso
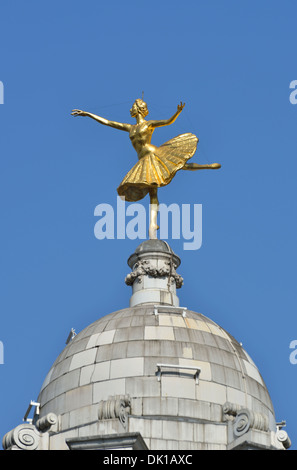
{"x":140,"y":136}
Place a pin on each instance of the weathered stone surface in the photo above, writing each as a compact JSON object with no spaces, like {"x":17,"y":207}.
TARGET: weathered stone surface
{"x":121,"y":354}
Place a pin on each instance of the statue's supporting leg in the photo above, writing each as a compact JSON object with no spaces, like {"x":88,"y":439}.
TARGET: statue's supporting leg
{"x":154,"y":207}
{"x":196,"y":166}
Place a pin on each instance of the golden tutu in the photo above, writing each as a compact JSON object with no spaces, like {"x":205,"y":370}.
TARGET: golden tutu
{"x":156,"y":169}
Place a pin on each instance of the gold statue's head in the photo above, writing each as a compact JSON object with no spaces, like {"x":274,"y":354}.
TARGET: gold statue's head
{"x":139,"y":107}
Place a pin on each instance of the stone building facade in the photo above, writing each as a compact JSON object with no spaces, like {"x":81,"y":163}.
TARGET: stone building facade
{"x":154,"y":376}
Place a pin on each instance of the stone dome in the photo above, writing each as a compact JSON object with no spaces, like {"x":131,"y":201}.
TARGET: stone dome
{"x":180,"y":376}
{"x":152,"y":376}
{"x":153,"y":246}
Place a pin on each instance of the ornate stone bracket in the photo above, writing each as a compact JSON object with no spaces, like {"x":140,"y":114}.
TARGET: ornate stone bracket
{"x":28,"y":436}
{"x":244,"y":419}
{"x":282,"y":436}
{"x":23,"y":437}
{"x":230,"y":411}
{"x":247,"y":419}
{"x":115,"y":407}
{"x":241,"y":424}
{"x":144,"y":267}
{"x":246,"y":429}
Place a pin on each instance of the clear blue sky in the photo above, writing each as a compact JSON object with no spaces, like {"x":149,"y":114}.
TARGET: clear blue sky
{"x":231,"y":63}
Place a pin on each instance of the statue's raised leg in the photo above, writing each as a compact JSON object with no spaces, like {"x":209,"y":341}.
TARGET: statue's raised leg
{"x":196,"y":166}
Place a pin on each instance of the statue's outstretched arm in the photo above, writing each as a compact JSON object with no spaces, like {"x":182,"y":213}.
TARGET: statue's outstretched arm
{"x":117,"y":125}
{"x":167,"y":122}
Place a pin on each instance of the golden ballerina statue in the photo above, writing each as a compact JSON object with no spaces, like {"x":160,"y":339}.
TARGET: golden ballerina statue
{"x":156,"y":166}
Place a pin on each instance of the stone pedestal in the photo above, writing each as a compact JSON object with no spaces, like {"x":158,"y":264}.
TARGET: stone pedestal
{"x":154,"y":279}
